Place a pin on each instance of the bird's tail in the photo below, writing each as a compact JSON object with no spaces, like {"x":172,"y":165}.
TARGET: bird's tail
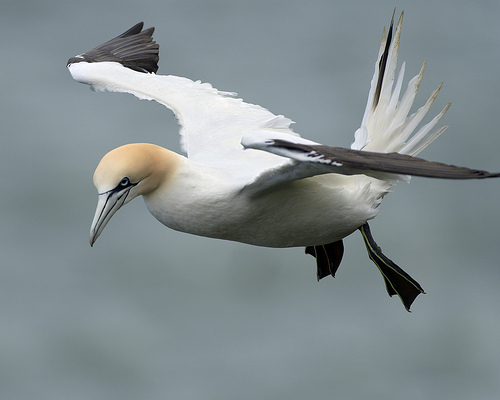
{"x":386,"y":126}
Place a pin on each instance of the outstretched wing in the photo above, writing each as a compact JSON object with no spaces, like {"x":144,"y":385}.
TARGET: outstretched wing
{"x":212,"y":122}
{"x":315,"y":159}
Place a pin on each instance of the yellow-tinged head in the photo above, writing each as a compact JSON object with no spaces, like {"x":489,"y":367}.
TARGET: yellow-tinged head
{"x":125,"y":173}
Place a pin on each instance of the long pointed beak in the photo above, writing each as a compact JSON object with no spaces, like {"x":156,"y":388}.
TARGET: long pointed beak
{"x":108,"y":203}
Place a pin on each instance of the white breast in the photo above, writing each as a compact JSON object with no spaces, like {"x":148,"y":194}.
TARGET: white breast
{"x":204,"y":202}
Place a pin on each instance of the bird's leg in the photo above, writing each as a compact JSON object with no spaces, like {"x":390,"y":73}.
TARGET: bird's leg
{"x":396,"y":280}
{"x":328,"y":258}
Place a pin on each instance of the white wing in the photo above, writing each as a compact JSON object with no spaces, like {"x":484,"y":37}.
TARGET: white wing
{"x":212,"y":122}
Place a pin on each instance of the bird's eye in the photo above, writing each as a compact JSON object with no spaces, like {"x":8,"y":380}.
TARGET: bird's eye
{"x":125,"y":182}
{"x":123,"y":185}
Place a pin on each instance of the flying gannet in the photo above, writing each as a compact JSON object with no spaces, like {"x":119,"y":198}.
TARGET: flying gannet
{"x":247,"y":176}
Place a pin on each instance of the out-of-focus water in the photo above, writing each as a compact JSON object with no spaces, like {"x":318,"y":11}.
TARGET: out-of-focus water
{"x":150,"y":313}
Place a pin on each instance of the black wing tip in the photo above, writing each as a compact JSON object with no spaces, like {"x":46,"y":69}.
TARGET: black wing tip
{"x":136,"y":29}
{"x":134,"y":49}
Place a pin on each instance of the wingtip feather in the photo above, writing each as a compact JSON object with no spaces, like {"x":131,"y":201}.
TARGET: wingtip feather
{"x":134,"y":49}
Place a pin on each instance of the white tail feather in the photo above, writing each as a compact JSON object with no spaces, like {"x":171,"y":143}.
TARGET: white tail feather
{"x":386,"y":125}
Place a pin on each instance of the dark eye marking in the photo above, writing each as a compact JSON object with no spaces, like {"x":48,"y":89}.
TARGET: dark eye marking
{"x":124,"y":184}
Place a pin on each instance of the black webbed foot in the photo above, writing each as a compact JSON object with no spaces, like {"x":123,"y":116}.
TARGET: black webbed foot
{"x":396,"y":280}
{"x":328,"y":258}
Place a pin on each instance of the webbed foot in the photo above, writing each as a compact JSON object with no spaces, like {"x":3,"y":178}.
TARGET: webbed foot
{"x":396,"y":280}
{"x":328,"y":258}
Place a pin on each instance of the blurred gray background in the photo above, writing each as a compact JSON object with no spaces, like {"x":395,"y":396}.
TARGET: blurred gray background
{"x":150,"y":313}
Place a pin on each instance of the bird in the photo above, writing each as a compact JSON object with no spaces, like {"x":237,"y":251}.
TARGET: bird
{"x":247,"y":176}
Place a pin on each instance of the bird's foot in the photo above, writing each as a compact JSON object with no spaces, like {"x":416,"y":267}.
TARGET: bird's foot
{"x":396,"y":280}
{"x":328,"y":258}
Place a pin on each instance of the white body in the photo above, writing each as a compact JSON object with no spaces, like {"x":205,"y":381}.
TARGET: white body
{"x":320,"y":209}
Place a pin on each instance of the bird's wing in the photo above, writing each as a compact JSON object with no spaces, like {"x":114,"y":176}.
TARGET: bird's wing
{"x":212,"y":122}
{"x":312,"y":159}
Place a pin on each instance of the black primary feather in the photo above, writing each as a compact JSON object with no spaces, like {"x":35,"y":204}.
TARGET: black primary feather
{"x":134,"y":49}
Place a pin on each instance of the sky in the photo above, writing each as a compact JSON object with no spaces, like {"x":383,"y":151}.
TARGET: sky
{"x":151,"y":313}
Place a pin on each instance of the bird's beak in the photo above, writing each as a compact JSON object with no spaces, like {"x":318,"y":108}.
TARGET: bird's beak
{"x":108,"y":203}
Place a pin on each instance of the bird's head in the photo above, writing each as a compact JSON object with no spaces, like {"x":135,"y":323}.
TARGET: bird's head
{"x":125,"y":173}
